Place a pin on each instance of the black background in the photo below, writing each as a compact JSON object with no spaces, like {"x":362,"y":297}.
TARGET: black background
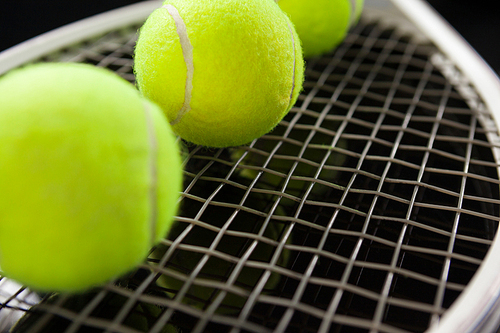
{"x":478,"y":21}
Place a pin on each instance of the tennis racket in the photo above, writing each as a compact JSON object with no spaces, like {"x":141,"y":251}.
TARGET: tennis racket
{"x":372,"y":207}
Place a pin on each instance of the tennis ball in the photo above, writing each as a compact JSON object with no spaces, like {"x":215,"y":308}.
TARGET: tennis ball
{"x":218,"y":269}
{"x":322,"y":24}
{"x":225,"y":72}
{"x":89,"y":172}
{"x":286,"y":159}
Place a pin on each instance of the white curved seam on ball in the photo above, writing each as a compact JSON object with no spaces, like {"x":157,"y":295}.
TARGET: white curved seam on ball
{"x":294,"y":63}
{"x":352,"y":18}
{"x":187,"y":52}
{"x":153,"y":170}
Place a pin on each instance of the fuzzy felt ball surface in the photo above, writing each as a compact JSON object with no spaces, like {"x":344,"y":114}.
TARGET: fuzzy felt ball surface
{"x":90,"y":175}
{"x":224,"y":72}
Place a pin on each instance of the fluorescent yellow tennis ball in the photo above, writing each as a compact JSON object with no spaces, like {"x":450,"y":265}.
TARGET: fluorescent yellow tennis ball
{"x":89,"y":176}
{"x":225,"y":72}
{"x":322,"y":24}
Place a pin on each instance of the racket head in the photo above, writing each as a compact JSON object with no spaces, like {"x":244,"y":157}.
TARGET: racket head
{"x":372,"y":207}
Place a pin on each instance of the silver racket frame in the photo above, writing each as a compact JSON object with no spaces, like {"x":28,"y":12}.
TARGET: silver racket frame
{"x":478,"y":307}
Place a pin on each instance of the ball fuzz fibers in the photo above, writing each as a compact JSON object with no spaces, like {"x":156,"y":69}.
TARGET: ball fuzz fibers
{"x":322,"y":24}
{"x":89,"y":172}
{"x":225,"y":72}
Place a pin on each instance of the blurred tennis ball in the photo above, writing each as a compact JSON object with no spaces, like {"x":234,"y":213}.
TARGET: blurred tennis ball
{"x":218,"y":269}
{"x":90,"y":176}
{"x":322,"y":24}
{"x":287,"y":159}
{"x":225,"y":72}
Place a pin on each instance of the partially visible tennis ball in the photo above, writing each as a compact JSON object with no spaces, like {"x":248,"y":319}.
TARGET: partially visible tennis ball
{"x":217,"y":269}
{"x":322,"y":24}
{"x":225,"y":72}
{"x":89,"y":175}
{"x":287,"y":159}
